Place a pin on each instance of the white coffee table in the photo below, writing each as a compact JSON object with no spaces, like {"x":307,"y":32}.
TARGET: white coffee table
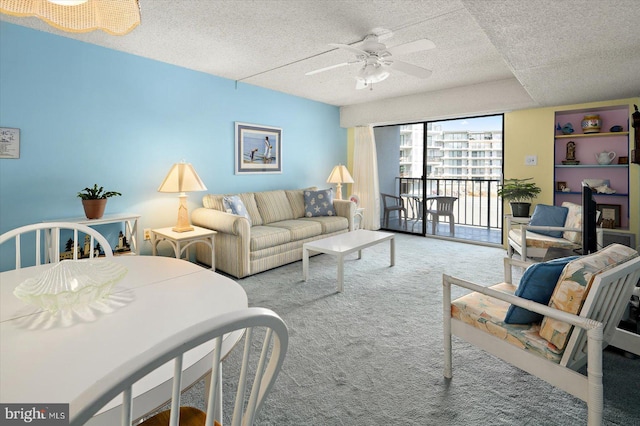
{"x":343,"y":244}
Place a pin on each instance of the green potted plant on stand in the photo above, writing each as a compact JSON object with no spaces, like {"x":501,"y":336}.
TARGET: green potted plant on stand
{"x":94,"y":200}
{"x":519,"y":193}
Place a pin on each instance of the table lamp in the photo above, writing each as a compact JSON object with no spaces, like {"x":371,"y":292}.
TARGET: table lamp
{"x":182,"y":178}
{"x":339,"y":175}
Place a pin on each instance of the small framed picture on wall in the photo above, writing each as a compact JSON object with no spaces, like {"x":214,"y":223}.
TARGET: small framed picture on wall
{"x":9,"y":142}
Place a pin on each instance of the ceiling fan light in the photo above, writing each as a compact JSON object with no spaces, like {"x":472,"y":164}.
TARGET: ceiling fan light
{"x":116,"y":17}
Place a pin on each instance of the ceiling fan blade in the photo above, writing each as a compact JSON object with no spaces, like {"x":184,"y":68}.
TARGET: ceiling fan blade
{"x":412,"y":46}
{"x":327,"y":68}
{"x":349,"y":48}
{"x":411,"y":69}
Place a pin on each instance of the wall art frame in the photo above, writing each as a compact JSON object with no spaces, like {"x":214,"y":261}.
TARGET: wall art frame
{"x":258,"y":149}
{"x":9,"y":142}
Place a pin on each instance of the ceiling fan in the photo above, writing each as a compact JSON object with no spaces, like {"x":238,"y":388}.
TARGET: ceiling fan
{"x":377,"y":61}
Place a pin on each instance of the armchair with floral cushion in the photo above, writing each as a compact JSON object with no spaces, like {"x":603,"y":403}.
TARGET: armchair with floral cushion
{"x":549,"y":226}
{"x":559,"y":317}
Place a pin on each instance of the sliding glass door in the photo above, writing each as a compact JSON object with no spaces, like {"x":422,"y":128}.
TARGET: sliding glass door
{"x":450,"y":166}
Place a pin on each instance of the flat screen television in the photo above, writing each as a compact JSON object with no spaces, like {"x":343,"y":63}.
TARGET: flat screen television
{"x":589,"y":221}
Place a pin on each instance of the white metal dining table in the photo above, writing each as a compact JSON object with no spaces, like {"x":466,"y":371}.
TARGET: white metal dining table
{"x":52,"y":358}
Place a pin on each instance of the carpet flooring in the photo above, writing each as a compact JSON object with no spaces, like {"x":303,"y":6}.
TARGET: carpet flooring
{"x":373,"y":354}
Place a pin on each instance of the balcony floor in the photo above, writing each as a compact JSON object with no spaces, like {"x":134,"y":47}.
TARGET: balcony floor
{"x":474,"y":234}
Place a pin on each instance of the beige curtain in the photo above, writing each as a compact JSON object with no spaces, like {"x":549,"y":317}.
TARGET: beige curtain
{"x":365,"y":176}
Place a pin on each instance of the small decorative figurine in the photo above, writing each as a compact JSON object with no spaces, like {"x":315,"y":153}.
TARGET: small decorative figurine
{"x":571,"y":150}
{"x":567,"y":129}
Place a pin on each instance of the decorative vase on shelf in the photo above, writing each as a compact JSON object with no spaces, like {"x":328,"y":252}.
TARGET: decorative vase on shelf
{"x":591,"y":123}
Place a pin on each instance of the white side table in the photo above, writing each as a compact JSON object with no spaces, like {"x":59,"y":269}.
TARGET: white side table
{"x":182,"y":240}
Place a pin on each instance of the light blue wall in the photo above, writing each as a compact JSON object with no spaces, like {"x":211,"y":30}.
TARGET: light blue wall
{"x":89,"y":115}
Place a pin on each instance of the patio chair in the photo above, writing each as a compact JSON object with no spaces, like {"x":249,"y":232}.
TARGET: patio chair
{"x":392,"y":203}
{"x":443,"y":207}
{"x":260,"y":366}
{"x":50,"y":245}
{"x":588,"y":300}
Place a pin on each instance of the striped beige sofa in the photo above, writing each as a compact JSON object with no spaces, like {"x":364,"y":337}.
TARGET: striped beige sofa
{"x":272,"y":237}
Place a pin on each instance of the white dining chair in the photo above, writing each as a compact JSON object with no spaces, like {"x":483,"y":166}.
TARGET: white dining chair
{"x":43,"y":240}
{"x":266,"y":340}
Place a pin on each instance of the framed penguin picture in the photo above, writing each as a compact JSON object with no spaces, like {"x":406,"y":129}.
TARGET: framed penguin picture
{"x":258,"y":149}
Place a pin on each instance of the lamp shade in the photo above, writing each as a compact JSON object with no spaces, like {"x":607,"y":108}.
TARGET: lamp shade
{"x":116,"y":17}
{"x":182,"y":178}
{"x":340,"y":174}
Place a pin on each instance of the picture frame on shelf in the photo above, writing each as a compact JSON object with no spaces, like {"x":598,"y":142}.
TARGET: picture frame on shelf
{"x":258,"y":149}
{"x":561,"y":186}
{"x":610,"y":215}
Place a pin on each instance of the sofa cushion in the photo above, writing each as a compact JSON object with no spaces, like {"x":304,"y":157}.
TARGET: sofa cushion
{"x":330,"y":224}
{"x":234,"y":205}
{"x":296,"y":200}
{"x":300,"y":229}
{"x":216,"y":202}
{"x":536,"y":284}
{"x":574,"y":284}
{"x":250,"y":204}
{"x":545,"y":215}
{"x":213,"y":201}
{"x":267,"y":236}
{"x":487,"y":313}
{"x":319,"y":203}
{"x":541,"y":241}
{"x":574,"y":220}
{"x":273,"y":206}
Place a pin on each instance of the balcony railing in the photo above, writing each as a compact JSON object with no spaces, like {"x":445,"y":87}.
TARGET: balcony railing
{"x":478,"y":202}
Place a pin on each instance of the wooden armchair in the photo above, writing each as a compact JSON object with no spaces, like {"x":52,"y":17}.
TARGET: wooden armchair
{"x":568,"y":337}
{"x":522,"y":238}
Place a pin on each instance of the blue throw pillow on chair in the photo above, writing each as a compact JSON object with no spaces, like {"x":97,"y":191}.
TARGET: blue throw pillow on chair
{"x":544,"y":215}
{"x":537,"y":284}
{"x":319,"y":203}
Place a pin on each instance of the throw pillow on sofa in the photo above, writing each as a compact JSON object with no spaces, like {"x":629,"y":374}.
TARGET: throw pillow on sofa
{"x":537,"y":284}
{"x":544,"y":215}
{"x":234,"y":205}
{"x":319,"y":203}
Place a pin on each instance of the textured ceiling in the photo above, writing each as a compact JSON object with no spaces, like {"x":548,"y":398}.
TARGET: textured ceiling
{"x":561,"y":52}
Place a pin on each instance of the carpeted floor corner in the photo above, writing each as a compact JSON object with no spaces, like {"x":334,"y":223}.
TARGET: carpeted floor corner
{"x":373,"y":354}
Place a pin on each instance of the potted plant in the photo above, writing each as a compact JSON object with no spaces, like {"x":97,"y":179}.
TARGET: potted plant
{"x":519,"y":192}
{"x":94,"y":200}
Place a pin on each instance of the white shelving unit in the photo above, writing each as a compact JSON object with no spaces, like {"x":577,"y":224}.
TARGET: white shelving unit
{"x":587,"y":146}
{"x":130,"y":221}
